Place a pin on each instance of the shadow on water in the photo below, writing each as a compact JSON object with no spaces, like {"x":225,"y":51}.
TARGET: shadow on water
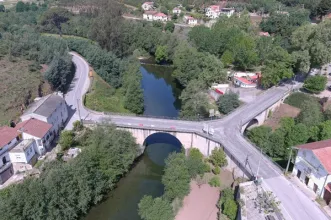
{"x":144,"y":179}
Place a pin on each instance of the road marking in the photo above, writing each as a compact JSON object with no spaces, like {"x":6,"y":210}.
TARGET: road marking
{"x":129,"y":123}
{"x":152,"y":126}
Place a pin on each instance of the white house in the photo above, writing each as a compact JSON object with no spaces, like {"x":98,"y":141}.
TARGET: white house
{"x":176,"y":11}
{"x":148,"y":15}
{"x":160,"y":17}
{"x":51,"y":109}
{"x":227,"y":11}
{"x":213,"y":11}
{"x":23,"y":155}
{"x":313,"y":167}
{"x":8,"y":138}
{"x":39,"y":131}
{"x":146,"y":6}
{"x":190,"y":20}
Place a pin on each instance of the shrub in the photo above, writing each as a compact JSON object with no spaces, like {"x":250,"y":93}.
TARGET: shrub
{"x":216,"y":170}
{"x":315,"y":84}
{"x":77,"y":126}
{"x":214,"y":182}
{"x":228,"y":102}
{"x":230,"y":209}
{"x":158,"y":208}
{"x":195,"y":163}
{"x":218,"y":157}
{"x":296,"y":99}
{"x":66,"y":139}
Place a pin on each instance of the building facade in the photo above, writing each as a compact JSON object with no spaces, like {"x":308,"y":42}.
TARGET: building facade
{"x":51,"y":109}
{"x":146,"y":6}
{"x":313,"y":167}
{"x":190,"y":20}
{"x":23,"y":155}
{"x":154,"y":16}
{"x":39,"y":131}
{"x":8,"y":139}
{"x":176,"y":11}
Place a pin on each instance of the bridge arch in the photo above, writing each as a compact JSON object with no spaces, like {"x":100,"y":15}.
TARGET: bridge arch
{"x":251,"y":124}
{"x":159,"y":145}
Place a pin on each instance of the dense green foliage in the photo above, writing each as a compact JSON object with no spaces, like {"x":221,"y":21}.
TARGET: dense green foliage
{"x":158,"y":208}
{"x":228,"y":102}
{"x":66,"y":139}
{"x":195,"y":163}
{"x":296,"y":99}
{"x":310,"y":114}
{"x":176,"y":178}
{"x":218,"y":157}
{"x":315,"y":84}
{"x":67,"y":190}
{"x":227,"y":204}
{"x":215,"y":181}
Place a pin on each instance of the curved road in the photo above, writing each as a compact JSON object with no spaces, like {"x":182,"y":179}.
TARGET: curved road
{"x":294,"y":204}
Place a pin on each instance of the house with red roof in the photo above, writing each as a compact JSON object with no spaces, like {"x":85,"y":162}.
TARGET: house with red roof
{"x":190,"y":20}
{"x":246,"y":80}
{"x":313,"y":167}
{"x":8,"y":138}
{"x":264,"y":34}
{"x":37,"y":130}
{"x":154,"y":16}
{"x":146,"y":6}
{"x":214,"y":11}
{"x":176,"y":10}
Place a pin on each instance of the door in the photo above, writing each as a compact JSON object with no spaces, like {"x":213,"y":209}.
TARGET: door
{"x":299,"y":174}
{"x":315,"y":188}
{"x":327,"y":196}
{"x":307,"y":180}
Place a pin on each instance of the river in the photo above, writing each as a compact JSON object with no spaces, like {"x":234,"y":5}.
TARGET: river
{"x":161,"y":98}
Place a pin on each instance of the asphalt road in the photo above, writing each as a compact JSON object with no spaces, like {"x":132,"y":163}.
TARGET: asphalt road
{"x":294,"y":204}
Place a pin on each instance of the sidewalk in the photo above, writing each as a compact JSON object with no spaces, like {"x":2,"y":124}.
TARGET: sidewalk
{"x":302,"y":187}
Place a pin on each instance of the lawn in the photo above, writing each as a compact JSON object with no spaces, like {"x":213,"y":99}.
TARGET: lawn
{"x":104,"y":98}
{"x":20,"y":83}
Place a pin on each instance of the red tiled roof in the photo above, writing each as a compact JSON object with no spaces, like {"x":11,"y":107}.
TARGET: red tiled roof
{"x":160,"y":14}
{"x":243,"y":80}
{"x":322,"y":150}
{"x":219,"y":91}
{"x":215,"y":8}
{"x":7,"y":134}
{"x":34,"y":127}
{"x":328,"y":187}
{"x":150,"y":12}
{"x":266,"y":34}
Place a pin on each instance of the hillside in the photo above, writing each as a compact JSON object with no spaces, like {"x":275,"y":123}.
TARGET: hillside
{"x":20,"y":83}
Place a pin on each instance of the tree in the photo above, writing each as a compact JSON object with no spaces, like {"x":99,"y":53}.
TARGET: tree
{"x":218,"y":157}
{"x":77,"y":126}
{"x":161,"y":54}
{"x":302,"y":61}
{"x":66,"y":139}
{"x":176,"y":178}
{"x":169,"y":26}
{"x":230,"y":209}
{"x":194,"y":101}
{"x":315,"y":84}
{"x":212,"y":70}
{"x":260,"y":136}
{"x":323,"y":8}
{"x":55,"y":17}
{"x":227,"y":58}
{"x":325,"y":130}
{"x":134,"y":97}
{"x":310,"y":114}
{"x":158,"y":208}
{"x":2,"y":8}
{"x":195,"y":163}
{"x":158,"y":24}
{"x":20,"y":6}
{"x":228,"y":102}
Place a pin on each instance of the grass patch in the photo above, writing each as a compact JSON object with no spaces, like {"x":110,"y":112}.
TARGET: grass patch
{"x":296,"y":99}
{"x":104,"y":98}
{"x":21,"y":81}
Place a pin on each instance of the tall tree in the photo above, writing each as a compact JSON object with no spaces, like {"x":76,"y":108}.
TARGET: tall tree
{"x":55,"y":17}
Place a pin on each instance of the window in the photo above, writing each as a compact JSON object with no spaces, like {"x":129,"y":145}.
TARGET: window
{"x":18,"y":157}
{"x":39,"y":142}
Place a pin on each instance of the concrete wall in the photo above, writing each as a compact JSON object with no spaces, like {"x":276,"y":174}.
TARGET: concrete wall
{"x":192,"y":140}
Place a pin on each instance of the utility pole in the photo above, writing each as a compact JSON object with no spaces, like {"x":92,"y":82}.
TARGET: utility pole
{"x":80,"y":119}
{"x":289,"y":160}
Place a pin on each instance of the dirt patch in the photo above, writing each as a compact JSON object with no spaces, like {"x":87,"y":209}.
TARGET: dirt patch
{"x":284,"y":110}
{"x":200,"y":204}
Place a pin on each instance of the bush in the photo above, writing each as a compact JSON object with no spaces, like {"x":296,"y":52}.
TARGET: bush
{"x":218,"y":158}
{"x":158,"y":208}
{"x":296,"y":99}
{"x":228,"y":102}
{"x":77,"y":126}
{"x":315,"y":84}
{"x":66,"y":139}
{"x":195,"y":163}
{"x":214,"y":182}
{"x":230,"y":209}
{"x":216,"y":170}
